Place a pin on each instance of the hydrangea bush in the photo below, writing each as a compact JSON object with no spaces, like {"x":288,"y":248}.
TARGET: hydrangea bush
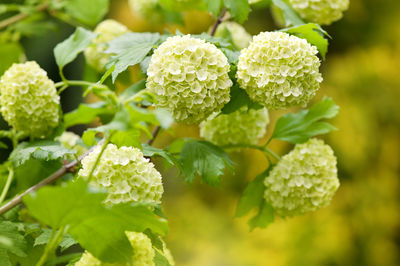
{"x":105,"y":202}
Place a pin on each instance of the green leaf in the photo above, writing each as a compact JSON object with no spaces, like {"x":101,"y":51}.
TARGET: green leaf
{"x":204,"y":158}
{"x":239,"y":9}
{"x":10,"y":53}
{"x":253,"y":194}
{"x":44,"y":237}
{"x":238,"y":99}
{"x":46,"y":150}
{"x":214,"y":6}
{"x":164,"y":117}
{"x":160,"y":259}
{"x":3,"y":145}
{"x":132,"y":90}
{"x":264,"y":217}
{"x":98,"y":228}
{"x":298,"y":128}
{"x":130,"y":49}
{"x":217,"y":41}
{"x":86,"y":113}
{"x":313,"y":33}
{"x":4,"y":259}
{"x":66,"y":51}
{"x":89,"y":12}
{"x":150,"y":151}
{"x":291,"y":17}
{"x":11,"y":239}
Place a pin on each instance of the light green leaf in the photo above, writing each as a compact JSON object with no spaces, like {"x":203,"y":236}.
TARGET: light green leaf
{"x":298,"y":128}
{"x":164,"y":117}
{"x":239,"y":9}
{"x":150,"y":151}
{"x":11,"y":239}
{"x":89,"y":12}
{"x":264,"y":217}
{"x":132,"y":90}
{"x":205,"y":159}
{"x":66,"y":51}
{"x":46,"y":150}
{"x":313,"y":33}
{"x":291,"y":17}
{"x":3,"y":145}
{"x":214,"y":6}
{"x":44,"y":237}
{"x":160,"y":259}
{"x":4,"y":259}
{"x":98,"y":228}
{"x":130,"y":49}
{"x":86,"y":113}
{"x":10,"y":53}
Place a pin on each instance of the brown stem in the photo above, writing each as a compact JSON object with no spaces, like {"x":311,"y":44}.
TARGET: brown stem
{"x":218,"y":21}
{"x":20,"y":16}
{"x":59,"y":173}
{"x":154,"y":134}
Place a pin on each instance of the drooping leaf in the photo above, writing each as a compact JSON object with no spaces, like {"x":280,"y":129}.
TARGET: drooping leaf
{"x":264,"y":217}
{"x":150,"y":151}
{"x":298,"y":128}
{"x":239,"y":9}
{"x":291,"y":17}
{"x":46,"y":150}
{"x":313,"y":33}
{"x":98,"y":228}
{"x":89,"y":12}
{"x":205,"y":159}
{"x":238,"y":99}
{"x":130,"y":49}
{"x":86,"y":113}
{"x":11,"y":239}
{"x":66,"y":51}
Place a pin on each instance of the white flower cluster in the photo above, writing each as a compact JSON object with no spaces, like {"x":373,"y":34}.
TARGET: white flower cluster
{"x":143,"y":253}
{"x":303,"y":180}
{"x":240,"y":37}
{"x":127,"y":175}
{"x":244,"y":126}
{"x":107,"y":30}
{"x":29,"y":100}
{"x":189,"y":77}
{"x":279,"y":70}
{"x":323,"y":12}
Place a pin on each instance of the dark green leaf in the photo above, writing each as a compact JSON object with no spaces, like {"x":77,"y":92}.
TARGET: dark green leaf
{"x":291,"y":17}
{"x":204,"y":158}
{"x":253,"y":195}
{"x":66,"y":51}
{"x":160,"y":259}
{"x":89,"y":12}
{"x":239,"y":9}
{"x":44,"y":237}
{"x":130,"y":49}
{"x":155,"y":239}
{"x":238,"y":99}
{"x":214,"y":6}
{"x":41,"y":150}
{"x":313,"y":33}
{"x":86,"y":113}
{"x":298,"y":128}
{"x":264,"y":217}
{"x":98,"y":228}
{"x":11,"y":239}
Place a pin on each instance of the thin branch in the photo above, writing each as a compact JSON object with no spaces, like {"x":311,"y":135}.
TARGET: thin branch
{"x":154,"y":134}
{"x":218,"y":21}
{"x":21,"y":16}
{"x":56,"y":175}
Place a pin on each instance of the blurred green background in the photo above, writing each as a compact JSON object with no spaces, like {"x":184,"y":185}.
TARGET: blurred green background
{"x":362,"y":225}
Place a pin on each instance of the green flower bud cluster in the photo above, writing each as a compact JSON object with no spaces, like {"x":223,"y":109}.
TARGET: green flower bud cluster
{"x":143,"y":253}
{"x":107,"y":30}
{"x":29,"y":100}
{"x":303,"y":180}
{"x":128,"y":176}
{"x":240,"y":37}
{"x":189,"y":77}
{"x":244,"y":126}
{"x":71,"y":141}
{"x":279,"y":70}
{"x":323,"y":12}
{"x":144,"y":8}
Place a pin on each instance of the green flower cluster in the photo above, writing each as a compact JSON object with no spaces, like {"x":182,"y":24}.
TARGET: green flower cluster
{"x":127,"y":175}
{"x":244,"y":126}
{"x":303,"y":180}
{"x":107,"y":30}
{"x":143,"y":253}
{"x":279,"y":70}
{"x":29,"y":100}
{"x":323,"y":12}
{"x":71,"y":141}
{"x":189,"y":77}
{"x":240,"y":37}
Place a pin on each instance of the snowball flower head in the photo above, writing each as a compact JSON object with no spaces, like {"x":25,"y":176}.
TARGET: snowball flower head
{"x":143,"y":253}
{"x":240,"y":37}
{"x":323,"y":12}
{"x":303,"y":180}
{"x":29,"y":100}
{"x":279,"y":70}
{"x":244,"y":126}
{"x":127,"y":175}
{"x":107,"y":30}
{"x":189,"y":77}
